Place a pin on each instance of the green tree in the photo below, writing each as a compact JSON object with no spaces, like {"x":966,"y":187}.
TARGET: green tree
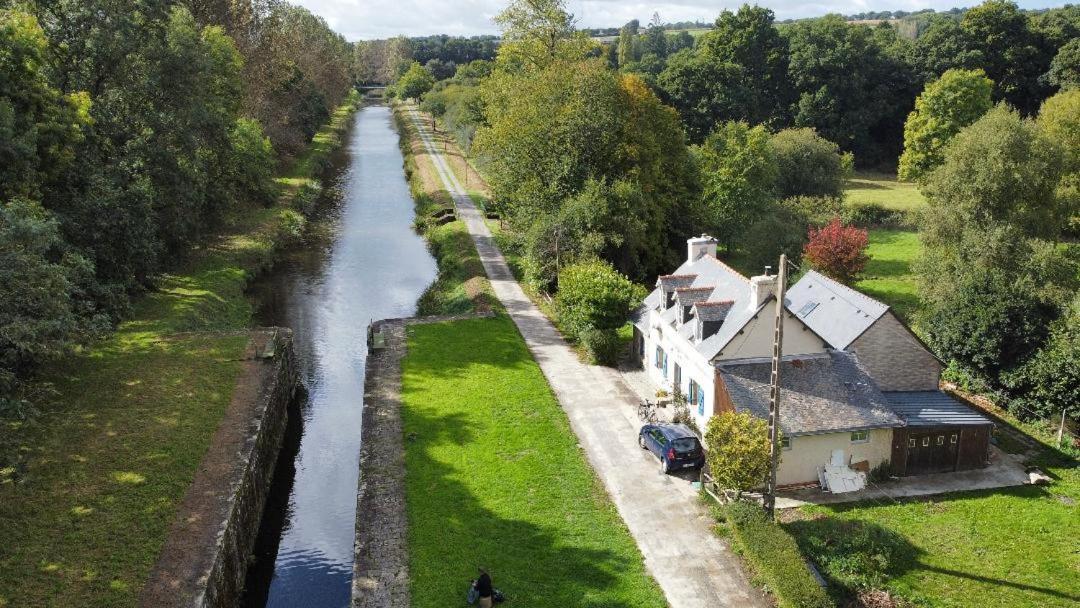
{"x":550,"y":132}
{"x":655,"y":40}
{"x":703,"y":90}
{"x":738,"y":450}
{"x":853,"y":85}
{"x":957,"y":99}
{"x":40,"y":127}
{"x":39,"y":284}
{"x":993,"y":202}
{"x":738,"y":176}
{"x":990,"y":323}
{"x":808,"y":164}
{"x":1065,"y":68}
{"x":592,"y":303}
{"x":1010,"y":51}
{"x":537,"y":33}
{"x":1046,"y":383}
{"x":414,"y":83}
{"x":627,"y":52}
{"x":749,"y":39}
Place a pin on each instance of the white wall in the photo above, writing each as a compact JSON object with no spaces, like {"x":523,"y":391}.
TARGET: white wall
{"x":757,"y":338}
{"x":694,"y":367}
{"x":809,"y":453}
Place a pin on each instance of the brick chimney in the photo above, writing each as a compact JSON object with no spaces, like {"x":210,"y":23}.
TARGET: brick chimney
{"x":700,"y":246}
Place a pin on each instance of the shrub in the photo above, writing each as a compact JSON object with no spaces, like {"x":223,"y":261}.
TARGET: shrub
{"x":809,"y":165}
{"x":837,"y":250}
{"x":601,"y":344}
{"x":816,"y":210}
{"x":738,"y":450}
{"x":593,"y":295}
{"x":291,"y":226}
{"x":774,"y":557}
{"x":781,"y":229}
{"x":307,"y":196}
{"x":251,"y":161}
{"x":990,"y":323}
{"x":1047,"y":382}
{"x":875,"y":215}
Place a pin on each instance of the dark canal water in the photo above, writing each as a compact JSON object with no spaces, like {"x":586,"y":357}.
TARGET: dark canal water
{"x":362,"y":262}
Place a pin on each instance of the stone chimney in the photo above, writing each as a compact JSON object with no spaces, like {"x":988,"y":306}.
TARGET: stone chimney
{"x":700,"y":246}
{"x":761,"y":287}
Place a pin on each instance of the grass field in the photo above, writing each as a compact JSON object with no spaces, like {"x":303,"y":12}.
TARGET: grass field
{"x":494,"y":477}
{"x":115,"y":445}
{"x":889,"y":276}
{"x":884,"y":190}
{"x":1010,"y":548}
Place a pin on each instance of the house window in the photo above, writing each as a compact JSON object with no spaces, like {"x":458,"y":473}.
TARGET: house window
{"x":678,"y":377}
{"x":911,"y":442}
{"x":860,"y":437}
{"x":941,"y":440}
{"x":785,"y":443}
{"x":665,"y":365}
{"x":659,"y":357}
{"x":697,"y":396}
{"x":953,"y":438}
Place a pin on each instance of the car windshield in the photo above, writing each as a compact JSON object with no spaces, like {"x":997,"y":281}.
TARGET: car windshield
{"x":685,"y":444}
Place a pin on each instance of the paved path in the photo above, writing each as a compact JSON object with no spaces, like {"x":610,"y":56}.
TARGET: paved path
{"x":672,"y":529}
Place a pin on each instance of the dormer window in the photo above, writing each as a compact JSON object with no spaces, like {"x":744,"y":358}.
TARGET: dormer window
{"x":710,"y":317}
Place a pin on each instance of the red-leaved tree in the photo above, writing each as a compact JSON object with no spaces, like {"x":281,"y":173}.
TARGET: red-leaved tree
{"x":837,"y":250}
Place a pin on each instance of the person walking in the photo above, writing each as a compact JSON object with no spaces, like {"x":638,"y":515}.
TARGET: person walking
{"x":484,"y":589}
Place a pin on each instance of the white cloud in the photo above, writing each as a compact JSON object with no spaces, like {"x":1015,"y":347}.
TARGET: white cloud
{"x":366,"y":19}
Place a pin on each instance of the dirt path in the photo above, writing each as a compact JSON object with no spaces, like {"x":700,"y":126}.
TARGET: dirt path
{"x":672,"y":529}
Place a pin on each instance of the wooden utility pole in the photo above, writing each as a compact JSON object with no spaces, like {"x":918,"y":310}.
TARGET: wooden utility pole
{"x":1061,"y":429}
{"x":774,"y":393}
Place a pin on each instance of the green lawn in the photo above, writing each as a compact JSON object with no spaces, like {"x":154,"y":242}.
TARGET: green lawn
{"x":1010,"y":548}
{"x":889,"y":276}
{"x":86,"y":507}
{"x":494,"y":477}
{"x":885,"y":190}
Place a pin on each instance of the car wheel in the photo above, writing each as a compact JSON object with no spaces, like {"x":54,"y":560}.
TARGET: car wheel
{"x":663,"y":465}
{"x":641,"y":442}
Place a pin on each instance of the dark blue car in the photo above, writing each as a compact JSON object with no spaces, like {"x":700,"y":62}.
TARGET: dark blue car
{"x":675,"y":444}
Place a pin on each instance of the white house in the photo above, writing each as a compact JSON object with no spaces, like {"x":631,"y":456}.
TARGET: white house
{"x":853,"y":376}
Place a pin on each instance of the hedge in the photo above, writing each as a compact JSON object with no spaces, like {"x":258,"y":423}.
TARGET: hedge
{"x":774,"y":557}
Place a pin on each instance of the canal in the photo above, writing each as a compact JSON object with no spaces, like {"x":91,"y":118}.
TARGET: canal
{"x":362,"y":261}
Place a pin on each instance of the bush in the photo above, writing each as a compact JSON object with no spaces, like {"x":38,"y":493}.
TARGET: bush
{"x":1047,"y":382}
{"x":602,"y":345}
{"x":251,"y":162}
{"x":809,"y":165}
{"x":838,"y":250}
{"x":815,"y":210}
{"x":989,"y":324}
{"x":774,"y":557}
{"x":593,"y":295}
{"x":875,"y":215}
{"x":738,"y":450}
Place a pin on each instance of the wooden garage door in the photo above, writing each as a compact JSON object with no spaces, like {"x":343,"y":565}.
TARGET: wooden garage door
{"x":933,"y":452}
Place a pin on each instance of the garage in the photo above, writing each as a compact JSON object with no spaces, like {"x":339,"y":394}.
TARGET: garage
{"x":941,"y":434}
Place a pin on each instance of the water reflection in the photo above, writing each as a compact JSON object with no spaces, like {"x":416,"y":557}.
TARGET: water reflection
{"x":371,"y":266}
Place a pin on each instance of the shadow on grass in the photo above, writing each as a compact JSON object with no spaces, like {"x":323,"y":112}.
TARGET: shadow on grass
{"x":880,"y":269}
{"x":855,"y":554}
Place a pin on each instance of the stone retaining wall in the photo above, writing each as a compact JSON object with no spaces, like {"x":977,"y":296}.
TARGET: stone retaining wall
{"x":204,"y":561}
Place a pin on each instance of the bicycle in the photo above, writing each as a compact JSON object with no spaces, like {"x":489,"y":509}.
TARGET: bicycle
{"x":646,"y":411}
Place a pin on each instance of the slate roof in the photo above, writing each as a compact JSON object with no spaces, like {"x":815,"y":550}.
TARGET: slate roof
{"x":725,"y":284}
{"x":713,"y":311}
{"x":932,"y":408}
{"x":835,"y":312}
{"x":826,"y":393}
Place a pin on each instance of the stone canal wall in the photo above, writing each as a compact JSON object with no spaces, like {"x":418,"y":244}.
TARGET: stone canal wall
{"x":204,"y":561}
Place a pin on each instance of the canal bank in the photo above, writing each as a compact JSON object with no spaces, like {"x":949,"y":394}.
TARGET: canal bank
{"x":124,"y":424}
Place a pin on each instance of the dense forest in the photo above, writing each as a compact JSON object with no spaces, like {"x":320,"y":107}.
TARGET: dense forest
{"x":617,"y":151}
{"x":129,"y":131}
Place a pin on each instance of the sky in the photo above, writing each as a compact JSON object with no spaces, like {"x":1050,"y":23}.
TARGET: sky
{"x":369,"y":19}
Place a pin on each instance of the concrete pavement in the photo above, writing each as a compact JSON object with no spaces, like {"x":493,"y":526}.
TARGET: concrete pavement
{"x":672,"y":528}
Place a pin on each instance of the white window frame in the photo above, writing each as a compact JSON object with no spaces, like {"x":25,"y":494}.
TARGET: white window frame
{"x":860,"y":436}
{"x":785,"y":443}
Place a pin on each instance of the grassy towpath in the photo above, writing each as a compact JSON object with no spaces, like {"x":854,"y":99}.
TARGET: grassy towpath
{"x":494,"y":476}
{"x":104,"y":464}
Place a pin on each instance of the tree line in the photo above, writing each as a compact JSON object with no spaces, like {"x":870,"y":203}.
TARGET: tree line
{"x":594,"y":164}
{"x":131,"y":130}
